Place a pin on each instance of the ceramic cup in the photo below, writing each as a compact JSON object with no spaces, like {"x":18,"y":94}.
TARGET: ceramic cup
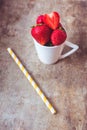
{"x":51,"y":54}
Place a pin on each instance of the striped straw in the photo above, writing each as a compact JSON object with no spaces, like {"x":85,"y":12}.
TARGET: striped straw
{"x":30,"y":79}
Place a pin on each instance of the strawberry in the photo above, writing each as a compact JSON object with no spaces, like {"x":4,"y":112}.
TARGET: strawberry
{"x":58,"y":37}
{"x":39,"y":19}
{"x":52,"y":20}
{"x":41,"y":33}
{"x":59,"y":25}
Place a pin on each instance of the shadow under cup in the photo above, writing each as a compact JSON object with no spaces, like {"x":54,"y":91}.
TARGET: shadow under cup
{"x":51,"y":54}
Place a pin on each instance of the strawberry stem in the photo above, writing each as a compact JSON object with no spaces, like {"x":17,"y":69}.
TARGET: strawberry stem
{"x":36,"y":25}
{"x":32,"y":26}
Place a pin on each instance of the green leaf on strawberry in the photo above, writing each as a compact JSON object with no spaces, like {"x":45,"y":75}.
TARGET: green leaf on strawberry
{"x":49,"y":44}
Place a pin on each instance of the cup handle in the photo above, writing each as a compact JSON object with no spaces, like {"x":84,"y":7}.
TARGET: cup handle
{"x":74,"y":48}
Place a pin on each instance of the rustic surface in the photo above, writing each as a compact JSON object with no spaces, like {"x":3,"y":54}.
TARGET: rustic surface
{"x":64,"y":83}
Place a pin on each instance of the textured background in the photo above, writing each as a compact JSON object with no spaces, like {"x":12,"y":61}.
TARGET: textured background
{"x":64,"y":83}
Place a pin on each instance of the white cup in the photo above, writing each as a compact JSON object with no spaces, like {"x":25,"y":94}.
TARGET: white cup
{"x":51,"y":54}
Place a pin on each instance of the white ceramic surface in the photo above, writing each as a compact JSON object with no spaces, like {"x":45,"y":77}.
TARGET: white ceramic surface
{"x":50,"y":55}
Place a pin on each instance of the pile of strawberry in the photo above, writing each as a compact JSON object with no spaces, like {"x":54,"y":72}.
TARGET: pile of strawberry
{"x":48,"y":30}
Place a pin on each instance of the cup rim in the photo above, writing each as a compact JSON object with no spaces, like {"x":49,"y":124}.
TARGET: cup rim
{"x":47,"y":46}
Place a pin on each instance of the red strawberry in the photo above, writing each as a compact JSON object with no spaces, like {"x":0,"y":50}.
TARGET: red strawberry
{"x":41,"y":33}
{"x":39,"y":19}
{"x":59,"y":25}
{"x":52,"y":20}
{"x":58,"y":37}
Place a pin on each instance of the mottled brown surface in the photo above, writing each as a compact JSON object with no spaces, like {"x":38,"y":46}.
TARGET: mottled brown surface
{"x":64,"y":83}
